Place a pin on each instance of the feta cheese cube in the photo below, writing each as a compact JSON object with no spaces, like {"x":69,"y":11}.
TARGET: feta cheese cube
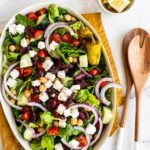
{"x":62,"y":97}
{"x":53,"y":46}
{"x":24,"y":42}
{"x":74,"y":113}
{"x":11,"y":82}
{"x":48,"y":84}
{"x":47,"y":65}
{"x":32,"y":53}
{"x":67,"y":91}
{"x":67,"y":112}
{"x":43,"y":96}
{"x":61,"y":108}
{"x":12,"y":29}
{"x":20,"y":28}
{"x":50,"y":76}
{"x":90,"y":129}
{"x":75,"y":87}
{"x":58,"y":85}
{"x":61,"y":74}
{"x":74,"y":143}
{"x":41,"y":45}
{"x":59,"y":146}
{"x":14,"y":74}
{"x":62,"y":124}
{"x":36,"y":83}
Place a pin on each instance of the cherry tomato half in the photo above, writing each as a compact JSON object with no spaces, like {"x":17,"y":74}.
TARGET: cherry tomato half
{"x":41,"y":12}
{"x":66,"y":38}
{"x":39,"y":65}
{"x":55,"y":37}
{"x":35,"y":98}
{"x":32,"y":16}
{"x":76,"y":42}
{"x":38,"y":34}
{"x":53,"y":131}
{"x":27,"y":72}
{"x":42,"y":53}
{"x":82,"y":140}
{"x":94,"y":72}
{"x":103,"y":84}
{"x":26,"y":115}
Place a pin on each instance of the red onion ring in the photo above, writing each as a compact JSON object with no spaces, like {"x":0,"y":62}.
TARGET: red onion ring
{"x":103,"y":91}
{"x":93,"y":109}
{"x":39,"y":134}
{"x":98,"y":85}
{"x":8,"y":101}
{"x":99,"y":132}
{"x":87,"y":137}
{"x":6,"y":77}
{"x":86,"y":73}
{"x":37,"y":105}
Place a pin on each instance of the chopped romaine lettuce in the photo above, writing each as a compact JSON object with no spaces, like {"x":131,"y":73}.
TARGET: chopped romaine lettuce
{"x":53,"y":10}
{"x":61,"y":31}
{"x":47,"y":142}
{"x":35,"y":145}
{"x":77,"y":25}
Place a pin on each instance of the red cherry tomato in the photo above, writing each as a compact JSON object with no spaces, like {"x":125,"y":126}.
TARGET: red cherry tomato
{"x":103,"y":84}
{"x":26,"y":115}
{"x":76,"y":42}
{"x":56,"y":37}
{"x":35,"y":98}
{"x":67,"y":38}
{"x":27,"y":72}
{"x":32,"y":16}
{"x":38,"y":34}
{"x":41,"y":12}
{"x":94,"y":72}
{"x":39,"y":65}
{"x":20,"y":71}
{"x":82,"y":140}
{"x":42,"y":53}
{"x":53,"y":131}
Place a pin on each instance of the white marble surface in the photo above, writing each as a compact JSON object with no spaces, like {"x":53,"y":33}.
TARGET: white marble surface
{"x":116,"y":27}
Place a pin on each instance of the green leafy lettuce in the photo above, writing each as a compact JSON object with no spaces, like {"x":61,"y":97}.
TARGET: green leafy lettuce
{"x":21,"y":19}
{"x":64,"y":50}
{"x":86,"y":97}
{"x":77,"y":25}
{"x":36,"y":145}
{"x":16,"y":39}
{"x":61,"y":31}
{"x":47,"y":142}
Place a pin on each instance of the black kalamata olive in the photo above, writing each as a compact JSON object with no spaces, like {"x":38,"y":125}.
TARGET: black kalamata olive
{"x":40,"y":73}
{"x":29,"y":31}
{"x":33,"y":117}
{"x":53,"y":104}
{"x":34,"y":60}
{"x":84,"y":115}
{"x":36,"y":89}
{"x":24,"y":50}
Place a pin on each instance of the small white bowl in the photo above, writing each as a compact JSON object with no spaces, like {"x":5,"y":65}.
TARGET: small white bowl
{"x":115,"y":12}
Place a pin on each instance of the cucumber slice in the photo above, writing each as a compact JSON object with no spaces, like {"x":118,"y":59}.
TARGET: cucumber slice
{"x":68,"y":82}
{"x":83,"y":59}
{"x":22,"y":100}
{"x":25,"y":61}
{"x":107,"y":115}
{"x":28,"y":134}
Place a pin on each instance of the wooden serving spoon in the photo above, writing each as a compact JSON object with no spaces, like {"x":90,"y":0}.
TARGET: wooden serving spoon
{"x":139,"y":63}
{"x":126,"y":41}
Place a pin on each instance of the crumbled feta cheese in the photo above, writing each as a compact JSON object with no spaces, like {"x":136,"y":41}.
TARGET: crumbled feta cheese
{"x":53,"y":46}
{"x":24,"y":42}
{"x":47,"y":64}
{"x":90,"y":129}
{"x":75,"y":87}
{"x":41,"y":45}
{"x":67,"y":112}
{"x":74,"y":113}
{"x":62,"y":97}
{"x":11,"y":82}
{"x":50,"y":76}
{"x":43,"y":96}
{"x":32,"y":53}
{"x":61,"y":108}
{"x":14,"y":74}
{"x":74,"y":143}
{"x":20,"y":28}
{"x":62,"y":124}
{"x":36,"y":83}
{"x":57,"y":85}
{"x":61,"y":74}
{"x":59,"y":146}
{"x":67,"y":91}
{"x":48,"y":84}
{"x":12,"y":29}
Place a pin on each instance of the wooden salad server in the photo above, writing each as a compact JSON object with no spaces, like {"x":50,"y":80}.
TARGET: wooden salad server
{"x":139,"y":63}
{"x":126,"y":41}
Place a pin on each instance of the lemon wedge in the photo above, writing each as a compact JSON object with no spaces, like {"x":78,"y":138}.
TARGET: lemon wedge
{"x":119,"y":5}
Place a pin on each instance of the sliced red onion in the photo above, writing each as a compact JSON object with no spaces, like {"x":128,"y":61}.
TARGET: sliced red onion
{"x":93,"y":109}
{"x":8,"y":101}
{"x":34,"y":135}
{"x":99,"y":83}
{"x":6,"y":77}
{"x":87,"y":137}
{"x":99,"y":132}
{"x":86,"y":73}
{"x":37,"y":105}
{"x":103,"y":91}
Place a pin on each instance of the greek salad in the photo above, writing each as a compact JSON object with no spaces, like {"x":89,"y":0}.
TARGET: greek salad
{"x":55,"y":80}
